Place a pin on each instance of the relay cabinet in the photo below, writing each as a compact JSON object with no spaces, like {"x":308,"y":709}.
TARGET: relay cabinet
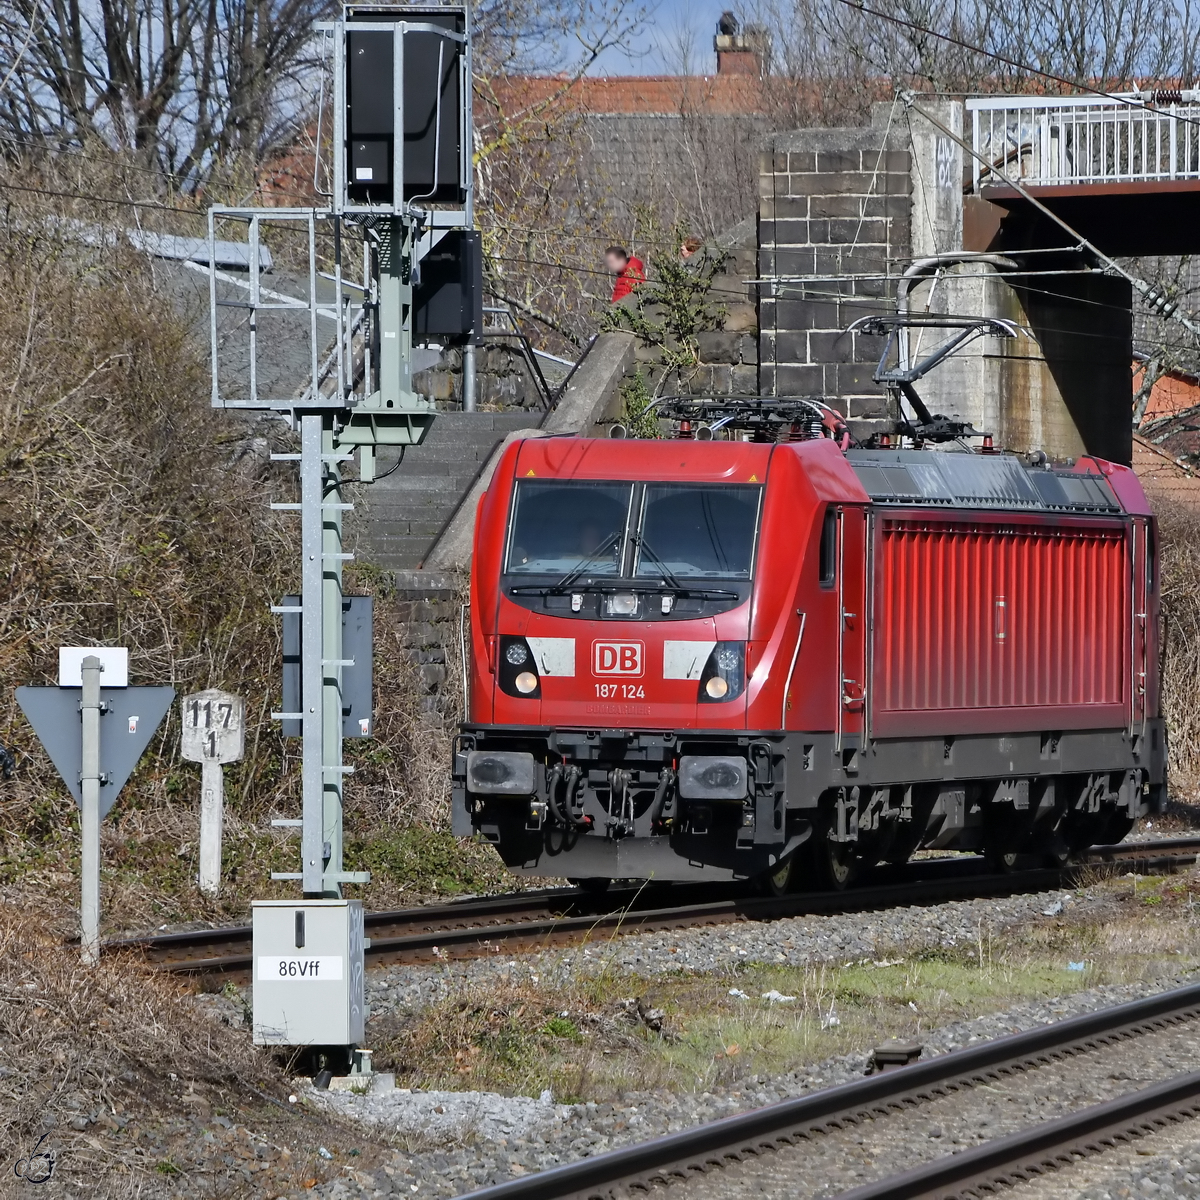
{"x":308,"y":973}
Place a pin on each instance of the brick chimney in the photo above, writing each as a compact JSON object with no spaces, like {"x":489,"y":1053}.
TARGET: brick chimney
{"x":738,"y":53}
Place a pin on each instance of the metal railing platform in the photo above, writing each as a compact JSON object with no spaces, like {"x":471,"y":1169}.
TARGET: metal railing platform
{"x":1061,"y":141}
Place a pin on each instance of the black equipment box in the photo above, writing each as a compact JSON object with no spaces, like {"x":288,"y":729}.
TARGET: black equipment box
{"x":448,"y":297}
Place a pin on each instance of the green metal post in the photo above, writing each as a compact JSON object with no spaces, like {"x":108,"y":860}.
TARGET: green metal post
{"x":395,"y":302}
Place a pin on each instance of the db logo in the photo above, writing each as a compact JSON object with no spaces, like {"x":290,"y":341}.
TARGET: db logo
{"x":618,"y":658}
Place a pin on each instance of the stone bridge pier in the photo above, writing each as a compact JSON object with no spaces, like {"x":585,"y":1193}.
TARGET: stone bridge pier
{"x":844,"y":214}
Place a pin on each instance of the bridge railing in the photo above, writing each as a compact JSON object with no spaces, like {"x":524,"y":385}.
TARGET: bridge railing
{"x":1062,"y":140}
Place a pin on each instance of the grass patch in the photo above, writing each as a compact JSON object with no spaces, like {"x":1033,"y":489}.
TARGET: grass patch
{"x":600,"y":1035}
{"x":419,"y":861}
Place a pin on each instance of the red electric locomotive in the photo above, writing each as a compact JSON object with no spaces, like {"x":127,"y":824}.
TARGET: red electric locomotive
{"x":781,"y":660}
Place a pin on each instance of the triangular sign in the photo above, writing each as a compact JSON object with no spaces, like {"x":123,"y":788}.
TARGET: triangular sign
{"x":132,"y":717}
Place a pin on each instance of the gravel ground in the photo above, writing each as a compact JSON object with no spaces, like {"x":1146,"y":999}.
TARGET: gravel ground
{"x":449,"y":1118}
{"x":1165,"y":1165}
{"x":799,"y":941}
{"x":466,"y":1160}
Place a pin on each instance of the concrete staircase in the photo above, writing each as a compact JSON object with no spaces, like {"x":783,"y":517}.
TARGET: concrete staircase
{"x":398,"y":519}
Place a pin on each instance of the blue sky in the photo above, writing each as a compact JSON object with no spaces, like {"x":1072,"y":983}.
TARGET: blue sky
{"x":678,"y":31}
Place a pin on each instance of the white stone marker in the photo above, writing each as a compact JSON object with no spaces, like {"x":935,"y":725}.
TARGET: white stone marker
{"x":214,"y":733}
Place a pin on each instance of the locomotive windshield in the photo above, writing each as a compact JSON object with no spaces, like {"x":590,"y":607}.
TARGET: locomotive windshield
{"x":559,"y":527}
{"x":682,"y":531}
{"x":698,"y":531}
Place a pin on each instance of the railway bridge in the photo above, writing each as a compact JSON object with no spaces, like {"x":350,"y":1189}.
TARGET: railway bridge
{"x":999,"y":206}
{"x":1122,"y":169}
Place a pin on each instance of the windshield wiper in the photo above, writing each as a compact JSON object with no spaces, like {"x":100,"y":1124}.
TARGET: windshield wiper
{"x":577,"y":570}
{"x":667,"y":573}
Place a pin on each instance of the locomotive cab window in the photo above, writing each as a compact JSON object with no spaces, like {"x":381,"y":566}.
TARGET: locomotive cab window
{"x":828,"y":551}
{"x":698,"y":531}
{"x":559,"y":527}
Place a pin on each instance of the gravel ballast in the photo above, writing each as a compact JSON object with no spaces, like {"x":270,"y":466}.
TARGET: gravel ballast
{"x":794,"y":941}
{"x":1164,"y":1165}
{"x":438,"y":1118}
{"x":824,"y":1166}
{"x":570,"y":1132}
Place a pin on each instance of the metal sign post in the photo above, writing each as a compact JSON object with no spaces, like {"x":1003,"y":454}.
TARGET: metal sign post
{"x":89,"y":784}
{"x":400,"y":182}
{"x":214,"y":733}
{"x":94,"y":727}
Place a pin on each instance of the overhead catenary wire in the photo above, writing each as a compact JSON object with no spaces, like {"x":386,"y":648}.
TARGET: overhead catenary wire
{"x":802,"y":281}
{"x":797,"y":281}
{"x":5,"y":185}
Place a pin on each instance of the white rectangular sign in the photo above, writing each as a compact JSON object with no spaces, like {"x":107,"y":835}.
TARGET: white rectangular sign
{"x":299,"y":966}
{"x":553,"y":656}
{"x":685,"y":660}
{"x":114,"y":665}
{"x":214,"y":727}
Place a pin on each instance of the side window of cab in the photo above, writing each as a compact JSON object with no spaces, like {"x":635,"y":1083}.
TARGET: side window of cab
{"x":827,"y":558}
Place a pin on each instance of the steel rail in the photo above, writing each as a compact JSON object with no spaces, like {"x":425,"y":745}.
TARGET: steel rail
{"x":522,"y":921}
{"x":179,"y":947}
{"x":1042,"y":1147}
{"x":696,"y":1150}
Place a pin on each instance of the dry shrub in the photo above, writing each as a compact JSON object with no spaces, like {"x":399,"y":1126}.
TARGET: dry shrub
{"x":132,"y":514}
{"x":129,"y":515}
{"x":1179,"y":536}
{"x":85,"y":1051}
{"x":497,"y":1034}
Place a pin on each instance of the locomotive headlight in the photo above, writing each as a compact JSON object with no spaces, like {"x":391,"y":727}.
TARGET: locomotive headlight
{"x":518,"y":674}
{"x":622,"y":604}
{"x":500,"y":773}
{"x":724,"y":675}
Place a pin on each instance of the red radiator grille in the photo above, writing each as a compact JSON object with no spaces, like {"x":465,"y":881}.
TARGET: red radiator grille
{"x":977,"y":616}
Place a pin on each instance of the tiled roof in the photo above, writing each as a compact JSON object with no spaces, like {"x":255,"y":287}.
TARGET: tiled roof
{"x":1166,"y":481}
{"x":1175,"y":392}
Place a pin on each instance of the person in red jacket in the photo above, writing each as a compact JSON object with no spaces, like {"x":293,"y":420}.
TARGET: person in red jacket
{"x":629,"y":271}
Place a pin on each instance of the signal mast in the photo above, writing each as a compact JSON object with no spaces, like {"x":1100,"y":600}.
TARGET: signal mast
{"x":397,"y":186}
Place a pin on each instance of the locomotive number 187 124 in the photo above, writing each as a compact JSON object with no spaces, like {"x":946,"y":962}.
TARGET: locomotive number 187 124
{"x":623,"y":691}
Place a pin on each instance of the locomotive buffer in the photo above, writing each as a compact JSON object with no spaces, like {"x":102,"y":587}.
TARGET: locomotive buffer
{"x":397,"y":182}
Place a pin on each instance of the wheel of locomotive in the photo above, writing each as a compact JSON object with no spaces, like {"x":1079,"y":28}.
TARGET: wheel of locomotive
{"x":823,"y":864}
{"x":1002,"y":862}
{"x":1117,"y":827}
{"x":778,"y":880}
{"x":831,"y":865}
{"x":593,"y":887}
{"x":1057,"y":854}
{"x":838,"y":865}
{"x":1005,"y":835}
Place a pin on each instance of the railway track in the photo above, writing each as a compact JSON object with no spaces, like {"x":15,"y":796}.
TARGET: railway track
{"x":531,"y":920}
{"x":706,"y":1153}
